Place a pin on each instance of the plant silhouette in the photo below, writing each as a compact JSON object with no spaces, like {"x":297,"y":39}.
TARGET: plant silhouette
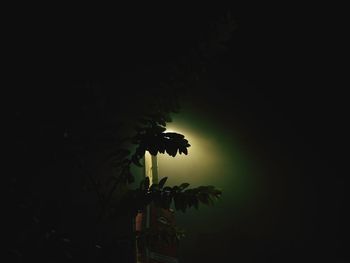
{"x":74,"y":148}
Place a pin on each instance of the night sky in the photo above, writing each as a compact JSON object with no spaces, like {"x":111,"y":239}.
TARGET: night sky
{"x":287,"y":107}
{"x":274,"y":93}
{"x":274,"y":96}
{"x":278,"y":97}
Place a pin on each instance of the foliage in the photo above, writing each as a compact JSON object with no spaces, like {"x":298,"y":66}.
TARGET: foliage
{"x":154,"y":139}
{"x":167,"y":233}
{"x":181,"y":197}
{"x":56,"y":171}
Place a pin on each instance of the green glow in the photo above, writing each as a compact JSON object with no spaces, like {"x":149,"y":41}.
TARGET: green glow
{"x":203,"y":155}
{"x":216,"y":157}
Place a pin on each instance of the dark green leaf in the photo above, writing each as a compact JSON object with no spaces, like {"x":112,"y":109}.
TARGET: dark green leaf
{"x":153,"y":150}
{"x":183,"y":186}
{"x":176,"y":202}
{"x":174,"y":135}
{"x":143,"y":183}
{"x":136,"y":161}
{"x":162,"y":182}
{"x":146,"y":184}
{"x":183,"y":149}
{"x":203,"y":198}
{"x":175,"y":189}
{"x":171,"y":150}
{"x":167,"y":189}
{"x":154,"y":187}
{"x":157,"y":198}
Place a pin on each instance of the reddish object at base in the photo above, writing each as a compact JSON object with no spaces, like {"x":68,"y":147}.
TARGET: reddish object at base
{"x":160,"y":252}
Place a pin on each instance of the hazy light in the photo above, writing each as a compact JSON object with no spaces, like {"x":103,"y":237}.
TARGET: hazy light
{"x":215,"y":157}
{"x":203,"y":154}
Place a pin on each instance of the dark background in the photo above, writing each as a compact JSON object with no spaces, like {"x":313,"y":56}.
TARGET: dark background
{"x":277,"y":79}
{"x":291,"y":101}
